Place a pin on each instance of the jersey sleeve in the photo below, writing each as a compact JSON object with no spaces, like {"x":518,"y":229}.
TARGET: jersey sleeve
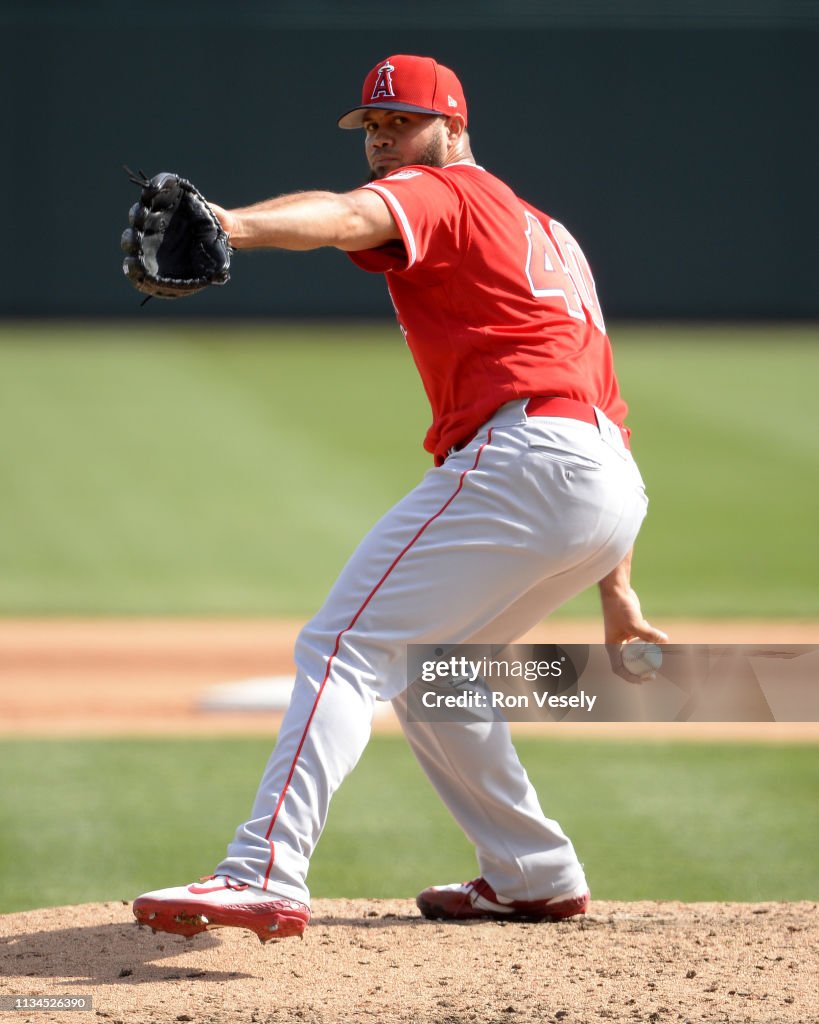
{"x":429,"y":216}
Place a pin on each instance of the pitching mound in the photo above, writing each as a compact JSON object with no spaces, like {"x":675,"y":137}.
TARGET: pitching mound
{"x":378,"y":961}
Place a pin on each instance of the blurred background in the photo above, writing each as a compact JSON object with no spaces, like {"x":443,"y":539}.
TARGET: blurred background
{"x":676,"y":139}
{"x":167,"y":459}
{"x":219,"y":457}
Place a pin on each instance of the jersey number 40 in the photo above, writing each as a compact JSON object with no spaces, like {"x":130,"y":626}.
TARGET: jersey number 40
{"x":556,"y":267}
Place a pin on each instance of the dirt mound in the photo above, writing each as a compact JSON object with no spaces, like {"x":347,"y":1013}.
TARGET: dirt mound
{"x":378,"y":961}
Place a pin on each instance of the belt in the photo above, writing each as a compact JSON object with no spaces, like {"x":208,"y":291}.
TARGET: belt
{"x":555,"y":405}
{"x":570,"y":409}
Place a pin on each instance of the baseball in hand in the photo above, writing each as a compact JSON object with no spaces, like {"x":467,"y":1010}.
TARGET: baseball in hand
{"x":642,"y":659}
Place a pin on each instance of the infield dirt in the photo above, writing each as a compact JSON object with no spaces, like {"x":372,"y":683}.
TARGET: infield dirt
{"x":147,"y":676}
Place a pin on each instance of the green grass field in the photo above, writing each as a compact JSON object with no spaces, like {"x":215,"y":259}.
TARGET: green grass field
{"x":230,"y":469}
{"x":104,"y":820}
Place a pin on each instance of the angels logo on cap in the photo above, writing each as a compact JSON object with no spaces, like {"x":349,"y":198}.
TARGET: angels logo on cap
{"x":407,"y":82}
{"x":383,"y":84}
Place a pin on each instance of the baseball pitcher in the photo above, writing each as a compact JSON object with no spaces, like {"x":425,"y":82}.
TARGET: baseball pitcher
{"x":534,"y":496}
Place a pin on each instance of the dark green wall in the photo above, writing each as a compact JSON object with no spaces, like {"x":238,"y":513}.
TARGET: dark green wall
{"x":683,"y":156}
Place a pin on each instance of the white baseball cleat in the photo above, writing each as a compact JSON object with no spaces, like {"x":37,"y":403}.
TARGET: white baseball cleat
{"x":469,"y":901}
{"x":217,"y":901}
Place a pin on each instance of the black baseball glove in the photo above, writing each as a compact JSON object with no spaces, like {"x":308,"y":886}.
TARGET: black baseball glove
{"x":175,"y":245}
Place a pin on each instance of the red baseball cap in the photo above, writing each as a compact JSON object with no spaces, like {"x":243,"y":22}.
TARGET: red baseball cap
{"x":405,"y":82}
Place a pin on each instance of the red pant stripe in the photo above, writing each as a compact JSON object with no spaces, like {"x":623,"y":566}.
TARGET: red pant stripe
{"x":346,"y":629}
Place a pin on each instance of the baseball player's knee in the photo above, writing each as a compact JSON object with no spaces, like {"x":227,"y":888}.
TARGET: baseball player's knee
{"x":321,"y":648}
{"x":366,"y":663}
{"x":313,"y":647}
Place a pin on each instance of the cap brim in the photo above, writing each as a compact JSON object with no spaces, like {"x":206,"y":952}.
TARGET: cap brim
{"x":355,"y":118}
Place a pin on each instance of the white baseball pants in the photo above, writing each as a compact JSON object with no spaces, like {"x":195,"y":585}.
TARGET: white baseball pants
{"x":528,"y":514}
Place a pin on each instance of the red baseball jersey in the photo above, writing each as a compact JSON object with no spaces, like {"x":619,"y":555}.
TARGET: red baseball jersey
{"x":495,"y":299}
